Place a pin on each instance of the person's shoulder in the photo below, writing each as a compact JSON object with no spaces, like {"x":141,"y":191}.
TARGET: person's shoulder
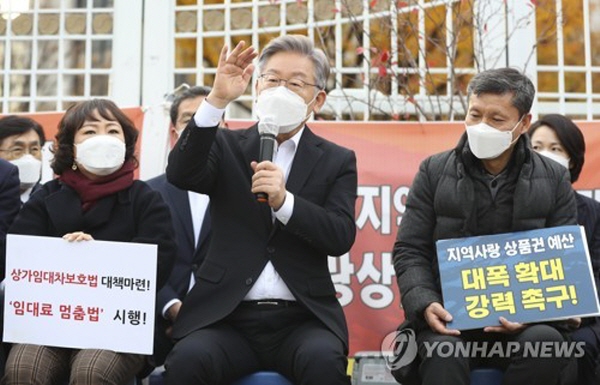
{"x":442,"y":157}
{"x":157,"y":181}
{"x":6,"y":167}
{"x":140,"y":185}
{"x":140,"y":192}
{"x":326,"y":144}
{"x":50,"y":187}
{"x":589,"y":203}
{"x":438,"y":161}
{"x":162,"y":185}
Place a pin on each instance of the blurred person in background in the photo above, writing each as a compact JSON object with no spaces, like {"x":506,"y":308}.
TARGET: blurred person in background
{"x":9,"y":207}
{"x":558,"y":138}
{"x":191,"y":222}
{"x":21,"y":142}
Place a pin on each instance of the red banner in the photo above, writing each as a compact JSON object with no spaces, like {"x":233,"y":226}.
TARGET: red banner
{"x":388,"y":156}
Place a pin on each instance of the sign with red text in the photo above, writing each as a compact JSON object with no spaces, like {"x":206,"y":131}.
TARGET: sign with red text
{"x":84,"y":295}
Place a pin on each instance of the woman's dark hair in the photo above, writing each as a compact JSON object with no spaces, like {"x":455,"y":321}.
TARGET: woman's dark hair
{"x":570,"y":138}
{"x":73,"y":120}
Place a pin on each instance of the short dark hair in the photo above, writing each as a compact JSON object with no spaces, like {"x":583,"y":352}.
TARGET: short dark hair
{"x":570,"y":137}
{"x":73,"y":120}
{"x":190,"y":93}
{"x":501,"y":81}
{"x":18,"y":125}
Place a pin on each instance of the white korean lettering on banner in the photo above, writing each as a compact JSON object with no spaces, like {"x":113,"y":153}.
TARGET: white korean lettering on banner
{"x":374,"y":283}
{"x":376,"y":208}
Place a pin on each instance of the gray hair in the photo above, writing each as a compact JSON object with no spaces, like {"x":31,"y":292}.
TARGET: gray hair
{"x":501,"y":81}
{"x":302,"y":45}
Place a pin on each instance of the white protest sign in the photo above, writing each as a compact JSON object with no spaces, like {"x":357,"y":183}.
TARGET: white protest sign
{"x":85,"y":295}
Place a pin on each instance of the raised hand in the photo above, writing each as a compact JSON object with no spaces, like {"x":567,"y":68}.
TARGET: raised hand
{"x":234,"y":72}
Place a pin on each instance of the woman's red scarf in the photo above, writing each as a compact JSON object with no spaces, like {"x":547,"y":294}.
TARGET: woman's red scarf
{"x":91,"y":190}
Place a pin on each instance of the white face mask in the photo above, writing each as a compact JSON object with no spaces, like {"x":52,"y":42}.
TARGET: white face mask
{"x":555,"y":157}
{"x":286,"y":108}
{"x":101,"y":154}
{"x":487,"y":142}
{"x":30,"y":169}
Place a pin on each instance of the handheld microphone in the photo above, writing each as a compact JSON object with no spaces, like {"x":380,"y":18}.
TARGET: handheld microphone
{"x":268,"y":130}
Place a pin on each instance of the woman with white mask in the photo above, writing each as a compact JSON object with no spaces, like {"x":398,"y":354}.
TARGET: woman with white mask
{"x":21,"y":142}
{"x":95,"y":197}
{"x":558,"y":138}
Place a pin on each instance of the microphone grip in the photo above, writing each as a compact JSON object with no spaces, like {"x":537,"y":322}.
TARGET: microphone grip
{"x":262,"y":197}
{"x":266,"y":152}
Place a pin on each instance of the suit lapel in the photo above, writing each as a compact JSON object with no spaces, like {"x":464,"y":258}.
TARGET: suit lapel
{"x":305,"y":160}
{"x":250,"y":146}
{"x":204,"y":229}
{"x":307,"y":156}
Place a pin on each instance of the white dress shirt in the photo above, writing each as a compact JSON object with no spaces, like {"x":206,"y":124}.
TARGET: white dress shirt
{"x":26,"y":194}
{"x":269,"y":284}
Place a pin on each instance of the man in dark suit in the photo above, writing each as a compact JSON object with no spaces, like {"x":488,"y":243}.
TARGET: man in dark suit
{"x":191,"y":221}
{"x":10,"y":204}
{"x":9,"y":196}
{"x":263,"y":298}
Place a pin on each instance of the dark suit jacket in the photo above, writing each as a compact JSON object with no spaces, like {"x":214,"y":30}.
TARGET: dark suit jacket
{"x":10,"y":202}
{"x":189,"y":257}
{"x":9,"y":189}
{"x":323,"y":180}
{"x":588,"y":216}
{"x":136,"y":214}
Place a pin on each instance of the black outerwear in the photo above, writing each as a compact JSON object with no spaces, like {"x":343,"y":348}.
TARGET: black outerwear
{"x":323,"y":179}
{"x":588,"y":216}
{"x":10,"y":202}
{"x":442,"y":205}
{"x":136,"y":214}
{"x":189,"y":257}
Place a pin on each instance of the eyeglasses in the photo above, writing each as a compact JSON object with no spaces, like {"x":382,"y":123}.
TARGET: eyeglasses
{"x":17,"y":152}
{"x":294,"y":84}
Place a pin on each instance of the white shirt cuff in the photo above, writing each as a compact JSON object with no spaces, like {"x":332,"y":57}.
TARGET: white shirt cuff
{"x":287,"y":209}
{"x":208,"y":115}
{"x":167,"y":306}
